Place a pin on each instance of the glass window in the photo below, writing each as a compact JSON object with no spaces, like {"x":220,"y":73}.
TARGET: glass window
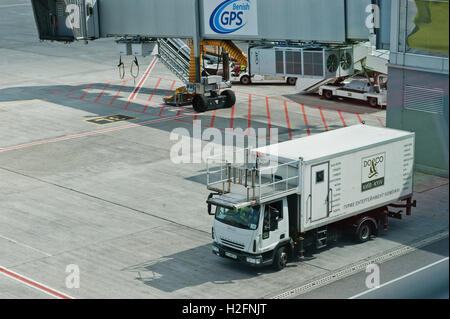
{"x":427,"y":27}
{"x":320,"y":177}
{"x":246,"y":218}
{"x":272,"y":214}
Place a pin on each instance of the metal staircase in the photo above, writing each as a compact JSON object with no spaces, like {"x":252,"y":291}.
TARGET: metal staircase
{"x":175,"y":55}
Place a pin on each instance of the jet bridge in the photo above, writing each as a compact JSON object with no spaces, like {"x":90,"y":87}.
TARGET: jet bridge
{"x":322,"y":21}
{"x":326,"y":23}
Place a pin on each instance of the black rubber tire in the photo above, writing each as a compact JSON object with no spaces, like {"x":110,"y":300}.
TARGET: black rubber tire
{"x":231,"y":98}
{"x":280,"y":259}
{"x":328,"y":94}
{"x":373,"y":102}
{"x":200,"y":103}
{"x":364,"y":232}
{"x":245,"y":80}
{"x":291,"y":81}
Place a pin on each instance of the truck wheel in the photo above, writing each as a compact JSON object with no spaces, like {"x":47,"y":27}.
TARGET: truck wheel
{"x":280,"y":259}
{"x":231,"y":98}
{"x":328,"y":94}
{"x":200,"y":103}
{"x":245,"y":80}
{"x":373,"y":101}
{"x":291,"y":81}
{"x":364,"y":232}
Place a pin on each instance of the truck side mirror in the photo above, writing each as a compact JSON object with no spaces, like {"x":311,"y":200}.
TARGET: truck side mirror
{"x":209,"y":209}
{"x":209,"y":205}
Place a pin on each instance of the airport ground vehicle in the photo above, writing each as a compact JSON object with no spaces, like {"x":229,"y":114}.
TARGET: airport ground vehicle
{"x":373,"y":91}
{"x":306,"y":193}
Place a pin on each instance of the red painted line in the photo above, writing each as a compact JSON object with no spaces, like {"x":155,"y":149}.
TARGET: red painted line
{"x":268,"y":117}
{"x":71,"y":91}
{"x":381,"y":121}
{"x":170,"y":91}
{"x":342,"y":118}
{"x":287,"y":119}
{"x":213,"y":119}
{"x":232,"y":116}
{"x":249,"y":117}
{"x":141,"y":82}
{"x":359,"y":118}
{"x":70,"y":137}
{"x":118,"y":92}
{"x":151,"y":96}
{"x":103,"y":91}
{"x":272,"y":97}
{"x":306,"y":119}
{"x":33,"y":284}
{"x":323,"y":119}
{"x":86,"y":92}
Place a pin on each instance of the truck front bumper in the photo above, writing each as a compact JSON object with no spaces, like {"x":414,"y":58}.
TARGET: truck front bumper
{"x":249,"y":259}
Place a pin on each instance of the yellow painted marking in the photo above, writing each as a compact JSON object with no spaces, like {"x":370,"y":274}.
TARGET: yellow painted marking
{"x":110,"y":119}
{"x":20,"y":103}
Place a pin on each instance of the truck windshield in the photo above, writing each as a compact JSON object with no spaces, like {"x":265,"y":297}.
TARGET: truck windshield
{"x":246,"y":218}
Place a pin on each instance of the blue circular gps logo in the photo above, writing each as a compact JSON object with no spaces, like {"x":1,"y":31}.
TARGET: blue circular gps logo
{"x":229,"y":16}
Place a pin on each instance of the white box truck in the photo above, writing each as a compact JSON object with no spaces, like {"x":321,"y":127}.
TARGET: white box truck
{"x":308,"y":192}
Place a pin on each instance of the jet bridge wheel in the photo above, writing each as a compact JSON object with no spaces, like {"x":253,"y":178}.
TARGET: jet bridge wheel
{"x":200,"y":103}
{"x":230,"y":98}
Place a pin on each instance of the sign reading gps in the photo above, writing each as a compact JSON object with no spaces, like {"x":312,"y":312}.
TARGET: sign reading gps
{"x":238,"y":17}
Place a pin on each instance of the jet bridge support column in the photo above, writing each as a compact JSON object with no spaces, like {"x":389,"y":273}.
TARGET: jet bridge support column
{"x":196,"y":42}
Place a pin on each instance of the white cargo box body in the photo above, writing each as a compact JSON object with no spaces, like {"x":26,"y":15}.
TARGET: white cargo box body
{"x":348,"y":171}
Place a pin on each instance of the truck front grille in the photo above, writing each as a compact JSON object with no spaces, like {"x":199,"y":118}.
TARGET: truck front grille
{"x":232,"y":244}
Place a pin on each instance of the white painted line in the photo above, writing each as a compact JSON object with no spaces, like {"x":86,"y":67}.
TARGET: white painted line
{"x":25,"y":245}
{"x":33,"y":284}
{"x":144,"y":78}
{"x":400,"y":278}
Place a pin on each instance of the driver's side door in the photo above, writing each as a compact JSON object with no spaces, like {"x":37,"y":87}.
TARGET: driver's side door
{"x":271,"y":231}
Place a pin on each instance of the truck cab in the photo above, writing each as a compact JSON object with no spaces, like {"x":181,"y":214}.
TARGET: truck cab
{"x":252,"y":234}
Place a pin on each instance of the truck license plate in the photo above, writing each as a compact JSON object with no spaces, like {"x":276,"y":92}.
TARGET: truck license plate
{"x":231,"y":255}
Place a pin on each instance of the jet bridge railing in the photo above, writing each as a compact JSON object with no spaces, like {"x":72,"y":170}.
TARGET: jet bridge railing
{"x":260,"y":182}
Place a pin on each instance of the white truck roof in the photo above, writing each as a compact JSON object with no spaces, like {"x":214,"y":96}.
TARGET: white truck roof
{"x":333,"y":142}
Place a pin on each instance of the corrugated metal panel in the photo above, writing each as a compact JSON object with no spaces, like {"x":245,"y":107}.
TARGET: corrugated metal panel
{"x":424,"y":99}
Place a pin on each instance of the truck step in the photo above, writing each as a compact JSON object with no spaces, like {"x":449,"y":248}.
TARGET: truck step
{"x":321,"y":238}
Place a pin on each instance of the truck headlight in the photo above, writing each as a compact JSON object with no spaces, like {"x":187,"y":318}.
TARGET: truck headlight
{"x":253,"y":260}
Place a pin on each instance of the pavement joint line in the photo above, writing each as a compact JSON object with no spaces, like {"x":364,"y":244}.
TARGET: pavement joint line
{"x":85,"y":246}
{"x":357,"y":267}
{"x":105,"y":200}
{"x":91,"y":133}
{"x":25,"y":245}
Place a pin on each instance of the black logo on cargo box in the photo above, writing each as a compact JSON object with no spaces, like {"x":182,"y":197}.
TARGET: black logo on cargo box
{"x":372,"y":171}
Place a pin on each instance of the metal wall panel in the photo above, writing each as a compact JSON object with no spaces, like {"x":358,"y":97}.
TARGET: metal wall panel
{"x":356,"y":19}
{"x":156,"y":18}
